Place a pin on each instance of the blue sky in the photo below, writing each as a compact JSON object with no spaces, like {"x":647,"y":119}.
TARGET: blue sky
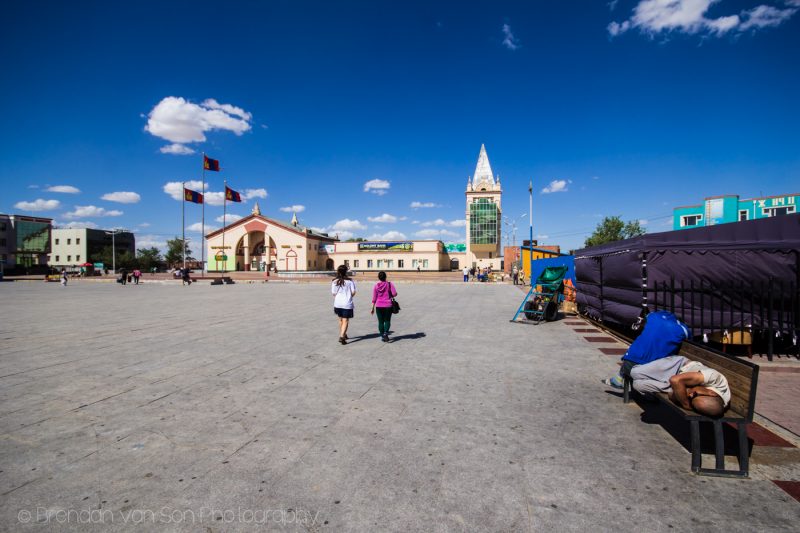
{"x":351,"y":113}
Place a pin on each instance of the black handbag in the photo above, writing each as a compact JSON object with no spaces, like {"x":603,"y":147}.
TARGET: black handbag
{"x":395,"y":307}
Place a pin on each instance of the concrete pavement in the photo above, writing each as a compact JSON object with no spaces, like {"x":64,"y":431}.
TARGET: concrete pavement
{"x":163,"y":407}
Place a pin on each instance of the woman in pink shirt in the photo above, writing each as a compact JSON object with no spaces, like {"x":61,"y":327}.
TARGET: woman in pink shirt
{"x":382,"y":294}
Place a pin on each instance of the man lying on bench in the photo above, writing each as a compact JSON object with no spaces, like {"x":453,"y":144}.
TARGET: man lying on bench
{"x":689,"y":384}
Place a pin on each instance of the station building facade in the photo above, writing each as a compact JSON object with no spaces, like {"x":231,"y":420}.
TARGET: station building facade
{"x":258,"y":243}
{"x":397,"y":256}
{"x":729,"y":208}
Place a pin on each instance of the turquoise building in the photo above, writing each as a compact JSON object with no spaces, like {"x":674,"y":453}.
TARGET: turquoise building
{"x":723,"y":209}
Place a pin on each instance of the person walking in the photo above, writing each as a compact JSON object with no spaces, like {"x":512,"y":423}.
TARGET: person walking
{"x":136,"y":275}
{"x":343,"y":289}
{"x":382,"y":294}
{"x":466,"y":274}
{"x":515,"y":274}
{"x":63,"y":277}
{"x":123,"y":275}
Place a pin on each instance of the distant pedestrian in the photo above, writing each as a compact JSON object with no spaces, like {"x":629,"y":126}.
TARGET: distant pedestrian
{"x":382,"y":294}
{"x":185,"y":278}
{"x":123,"y":275}
{"x":466,"y":274}
{"x":136,"y":275}
{"x":515,"y":275}
{"x":63,"y":278}
{"x":343,"y":289}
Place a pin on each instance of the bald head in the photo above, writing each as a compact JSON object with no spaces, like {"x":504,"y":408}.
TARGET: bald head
{"x":708,"y":405}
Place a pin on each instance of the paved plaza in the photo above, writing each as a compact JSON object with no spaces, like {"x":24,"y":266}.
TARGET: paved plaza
{"x":163,"y":407}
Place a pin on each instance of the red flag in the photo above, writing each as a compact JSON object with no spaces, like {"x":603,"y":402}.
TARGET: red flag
{"x":231,"y":195}
{"x":192,"y":196}
{"x":210,"y":164}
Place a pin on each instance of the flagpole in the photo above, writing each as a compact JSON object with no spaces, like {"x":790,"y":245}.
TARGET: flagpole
{"x":203,"y":221}
{"x":224,"y":217}
{"x":183,"y":220}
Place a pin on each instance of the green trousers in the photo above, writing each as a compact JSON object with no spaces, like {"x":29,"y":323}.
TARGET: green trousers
{"x":384,"y":319}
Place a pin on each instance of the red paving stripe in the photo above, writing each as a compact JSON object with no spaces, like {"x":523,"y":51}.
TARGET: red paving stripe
{"x":600,"y":339}
{"x":574,"y":323}
{"x":792,"y":488}
{"x":763,"y":437}
{"x":586,"y":330}
{"x":613,"y":351}
{"x":783,"y":369}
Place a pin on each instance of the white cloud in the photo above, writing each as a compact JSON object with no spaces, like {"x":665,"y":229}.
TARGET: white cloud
{"x":293,"y":209}
{"x":150,"y":241}
{"x":214,"y":198}
{"x":541,"y":237}
{"x":348,"y":225}
{"x":388,"y":236}
{"x":175,"y":188}
{"x":385,"y":218}
{"x":689,"y":16}
{"x":249,"y":194}
{"x":441,"y":222}
{"x":33,"y":186}
{"x":431,"y":233}
{"x":376,"y":186}
{"x":76,"y":225}
{"x":176,"y":149}
{"x":68,"y":189}
{"x":144,"y":225}
{"x":92,"y":211}
{"x":179,"y":121}
{"x":197,"y":227}
{"x":122,"y":197}
{"x":643,"y":221}
{"x":420,"y":205}
{"x":556,"y":186}
{"x":38,"y":205}
{"x":767,"y":16}
{"x":509,"y":41}
{"x":230,"y":217}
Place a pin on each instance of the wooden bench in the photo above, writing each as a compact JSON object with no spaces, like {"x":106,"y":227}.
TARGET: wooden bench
{"x":742,"y":379}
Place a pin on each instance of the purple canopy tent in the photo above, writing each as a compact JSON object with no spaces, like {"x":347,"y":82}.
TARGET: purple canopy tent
{"x":731,"y":275}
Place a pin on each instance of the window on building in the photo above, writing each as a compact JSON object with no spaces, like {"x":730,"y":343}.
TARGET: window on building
{"x":415,"y":263}
{"x":400,"y":263}
{"x":355,"y":263}
{"x":369,"y":263}
{"x":778,"y":211}
{"x":58,"y":258}
{"x":691,"y":220}
{"x":390,"y":263}
{"x":490,"y":255}
{"x":69,"y":258}
{"x":69,"y":241}
{"x":483,"y":222}
{"x":315,"y":246}
{"x":424,"y":263}
{"x":78,"y":240}
{"x":380,"y":263}
{"x":78,"y":258}
{"x":56,"y":241}
{"x":309,"y":264}
{"x":347,"y":263}
{"x":743,"y":215}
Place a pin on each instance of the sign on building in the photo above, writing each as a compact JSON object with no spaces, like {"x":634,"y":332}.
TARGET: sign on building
{"x":386,"y":246}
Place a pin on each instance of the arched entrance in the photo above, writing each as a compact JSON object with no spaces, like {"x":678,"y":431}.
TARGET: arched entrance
{"x":329,"y":264}
{"x":291,"y":260}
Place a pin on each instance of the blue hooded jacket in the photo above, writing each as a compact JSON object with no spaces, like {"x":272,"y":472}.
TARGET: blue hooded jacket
{"x":662,"y":337}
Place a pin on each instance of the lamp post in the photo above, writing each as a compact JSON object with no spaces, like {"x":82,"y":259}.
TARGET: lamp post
{"x":113,"y":234}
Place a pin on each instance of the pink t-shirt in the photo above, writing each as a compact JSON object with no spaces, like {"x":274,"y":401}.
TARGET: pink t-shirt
{"x":381,"y":296}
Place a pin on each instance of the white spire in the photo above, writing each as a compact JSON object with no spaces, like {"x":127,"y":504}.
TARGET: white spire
{"x":294,"y":218}
{"x":483,"y":170}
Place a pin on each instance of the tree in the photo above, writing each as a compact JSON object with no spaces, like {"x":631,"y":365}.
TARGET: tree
{"x":612,"y":229}
{"x":174,"y":253}
{"x":148,"y":258}
{"x":356,"y":239}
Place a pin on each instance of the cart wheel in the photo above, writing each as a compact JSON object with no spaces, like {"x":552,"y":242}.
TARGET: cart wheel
{"x":530,"y":306}
{"x":550,"y":311}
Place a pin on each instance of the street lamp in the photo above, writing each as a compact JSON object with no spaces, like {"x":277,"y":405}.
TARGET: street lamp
{"x":113,"y":234}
